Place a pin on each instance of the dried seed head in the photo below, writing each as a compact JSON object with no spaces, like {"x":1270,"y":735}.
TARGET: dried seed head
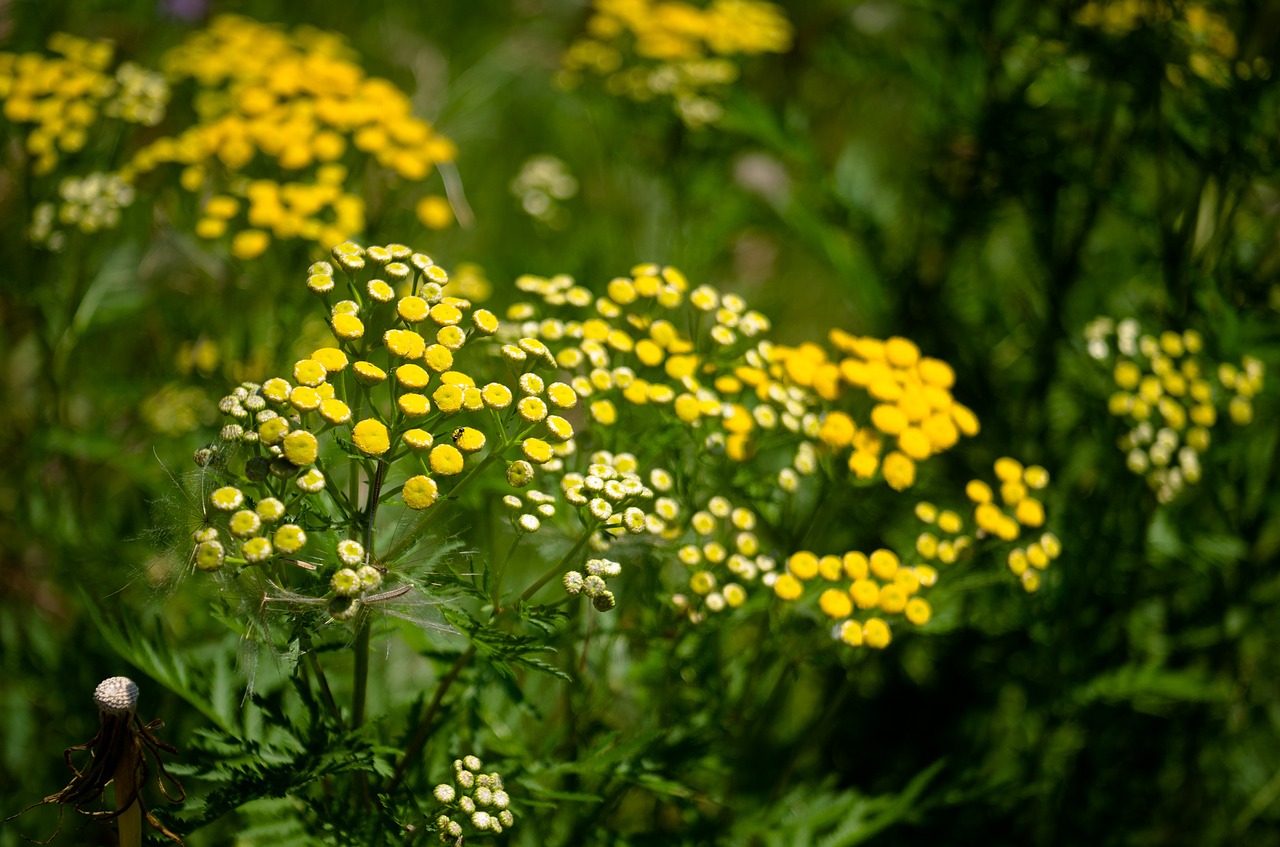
{"x":117,"y":695}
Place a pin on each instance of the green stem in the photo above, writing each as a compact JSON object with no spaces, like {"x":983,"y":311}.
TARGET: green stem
{"x":410,"y":538}
{"x":326,"y":694}
{"x":371,"y":507}
{"x":558,"y":567}
{"x":361,"y":672}
{"x":495,"y":598}
{"x":423,"y":730}
{"x":361,"y":687}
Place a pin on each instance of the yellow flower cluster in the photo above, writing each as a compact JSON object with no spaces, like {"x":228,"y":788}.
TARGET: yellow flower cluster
{"x":910,"y":402}
{"x":729,"y":382}
{"x":399,"y":390}
{"x":679,"y":49}
{"x":1210,"y":45}
{"x":1002,"y":515}
{"x":721,"y":552}
{"x":1169,"y":396}
{"x":723,"y":556}
{"x":282,"y":119}
{"x":255,"y":531}
{"x":64,"y":95}
{"x":946,"y":540}
{"x":388,"y":386}
{"x":1006,"y":519}
{"x":855,"y":582}
{"x":609,"y":497}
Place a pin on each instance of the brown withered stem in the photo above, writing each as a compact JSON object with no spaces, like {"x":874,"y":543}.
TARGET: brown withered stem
{"x":118,"y":754}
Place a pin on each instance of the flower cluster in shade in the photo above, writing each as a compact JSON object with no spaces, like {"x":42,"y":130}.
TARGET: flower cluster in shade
{"x":1011,"y":517}
{"x":474,"y":803}
{"x":856,"y":592}
{"x":860,"y":410}
{"x":1201,"y":38}
{"x":1169,"y":395}
{"x":89,"y":204}
{"x":277,"y":133}
{"x":719,"y":549}
{"x":649,"y":49}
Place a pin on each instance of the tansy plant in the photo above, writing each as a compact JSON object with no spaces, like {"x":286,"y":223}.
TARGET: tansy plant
{"x":640,"y":458}
{"x":647,"y":438}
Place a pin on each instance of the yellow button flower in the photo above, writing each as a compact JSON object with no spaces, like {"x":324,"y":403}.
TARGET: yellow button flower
{"x":418,"y":439}
{"x":803,"y":565}
{"x":496,"y":395}
{"x":371,"y":437}
{"x":333,"y":359}
{"x":446,"y":460}
{"x":368,"y":373}
{"x":536,"y":450}
{"x":347,"y":327}
{"x":787,"y":587}
{"x":420,"y":492}
{"x":468,"y":439}
{"x":448,"y":398}
{"x":412,"y":376}
{"x":300,"y":447}
{"x":918,"y":611}
{"x":412,"y":309}
{"x":876,"y":634}
{"x":404,"y":343}
{"x":413,"y":405}
{"x":899,"y":471}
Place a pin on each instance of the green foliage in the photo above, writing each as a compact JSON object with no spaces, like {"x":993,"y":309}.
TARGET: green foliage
{"x":983,"y":178}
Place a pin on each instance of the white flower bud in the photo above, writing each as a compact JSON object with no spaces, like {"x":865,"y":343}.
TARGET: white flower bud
{"x":117,"y":695}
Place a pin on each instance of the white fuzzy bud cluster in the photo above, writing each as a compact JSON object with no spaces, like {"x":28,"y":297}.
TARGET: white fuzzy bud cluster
{"x":117,"y":695}
{"x":611,"y":492}
{"x":141,"y":95}
{"x":475,"y":799}
{"x":90,"y":204}
{"x":542,"y":182}
{"x":527,"y":514}
{"x":593,"y":583}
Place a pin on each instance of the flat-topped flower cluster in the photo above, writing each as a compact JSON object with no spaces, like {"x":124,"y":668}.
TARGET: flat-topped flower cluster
{"x":596,"y":416}
{"x":646,"y":50}
{"x":268,"y":135}
{"x":1169,"y":395}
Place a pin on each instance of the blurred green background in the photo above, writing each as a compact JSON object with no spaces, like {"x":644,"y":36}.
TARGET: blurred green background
{"x":981,"y":177}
